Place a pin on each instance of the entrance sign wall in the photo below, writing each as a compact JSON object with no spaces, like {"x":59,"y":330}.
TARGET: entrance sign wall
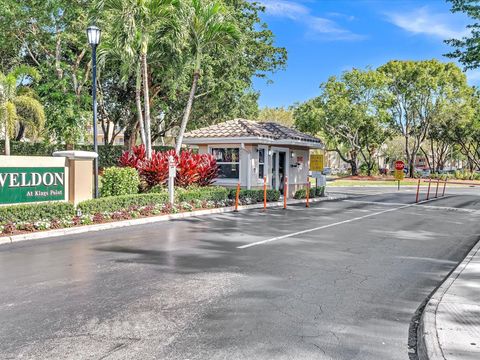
{"x":25,"y":179}
{"x":67,"y":176}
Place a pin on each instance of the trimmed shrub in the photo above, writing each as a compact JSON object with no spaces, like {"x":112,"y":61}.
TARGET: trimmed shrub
{"x":302,"y":193}
{"x":319,"y":191}
{"x":121,"y":203}
{"x":36,"y":212}
{"x":119,"y":181}
{"x":210,"y":193}
{"x":273,"y":195}
{"x":254,"y":195}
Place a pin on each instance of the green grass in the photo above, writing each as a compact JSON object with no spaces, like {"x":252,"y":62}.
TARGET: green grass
{"x":346,"y":183}
{"x":369,"y":183}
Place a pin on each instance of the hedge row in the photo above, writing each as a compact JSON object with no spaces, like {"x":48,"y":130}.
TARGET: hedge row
{"x":254,"y":195}
{"x":120,"y":203}
{"x":108,"y":155}
{"x":36,"y":212}
{"x":314,"y":192}
{"x":208,"y":193}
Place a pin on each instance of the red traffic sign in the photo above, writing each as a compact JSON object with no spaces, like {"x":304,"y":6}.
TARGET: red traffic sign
{"x":399,"y":165}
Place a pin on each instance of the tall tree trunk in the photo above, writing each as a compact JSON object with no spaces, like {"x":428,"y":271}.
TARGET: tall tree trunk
{"x":138,"y":102}
{"x":7,"y":140}
{"x":188,"y":109}
{"x":411,"y":165}
{"x":354,"y":167}
{"x":146,"y":103}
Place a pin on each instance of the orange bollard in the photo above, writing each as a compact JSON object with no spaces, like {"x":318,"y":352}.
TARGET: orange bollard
{"x":418,"y":190}
{"x":444,"y":186}
{"x":436,"y":191}
{"x":264,"y":193}
{"x":308,"y":194}
{"x":285,"y":192}
{"x":237,"y":196}
{"x":428,"y":192}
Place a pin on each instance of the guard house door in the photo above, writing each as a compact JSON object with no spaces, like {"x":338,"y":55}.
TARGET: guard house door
{"x":279,"y":169}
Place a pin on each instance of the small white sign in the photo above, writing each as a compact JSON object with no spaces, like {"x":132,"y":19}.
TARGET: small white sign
{"x":317,"y":174}
{"x":172,"y":171}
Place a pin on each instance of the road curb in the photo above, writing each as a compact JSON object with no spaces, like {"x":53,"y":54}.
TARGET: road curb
{"x":428,"y":345}
{"x":149,"y":220}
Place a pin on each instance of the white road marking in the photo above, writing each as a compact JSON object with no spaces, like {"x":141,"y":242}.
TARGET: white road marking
{"x":404,"y":206}
{"x":373,"y":202}
{"x":319,"y":228}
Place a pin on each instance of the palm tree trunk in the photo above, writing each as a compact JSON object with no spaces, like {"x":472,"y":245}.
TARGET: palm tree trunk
{"x":188,"y":109}
{"x":7,"y":140}
{"x":146,"y":101}
{"x":138,"y":101}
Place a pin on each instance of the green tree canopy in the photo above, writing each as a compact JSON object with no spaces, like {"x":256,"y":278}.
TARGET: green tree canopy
{"x":349,"y":115}
{"x":18,"y":105}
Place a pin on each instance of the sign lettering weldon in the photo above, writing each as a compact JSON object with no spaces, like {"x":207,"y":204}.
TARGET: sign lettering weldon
{"x":30,"y":184}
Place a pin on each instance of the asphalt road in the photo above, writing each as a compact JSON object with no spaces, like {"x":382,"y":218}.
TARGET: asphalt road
{"x":340,"y":280}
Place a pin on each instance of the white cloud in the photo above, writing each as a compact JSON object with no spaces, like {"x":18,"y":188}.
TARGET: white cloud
{"x":288,"y":9}
{"x":424,"y":21}
{"x":328,"y":29}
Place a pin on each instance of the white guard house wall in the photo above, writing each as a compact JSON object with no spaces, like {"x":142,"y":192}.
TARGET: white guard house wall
{"x":297,"y":159}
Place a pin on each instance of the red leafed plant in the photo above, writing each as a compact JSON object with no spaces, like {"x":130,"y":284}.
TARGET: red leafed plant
{"x":207,"y":170}
{"x":155,"y":170}
{"x":134,"y":158}
{"x":187,"y":173}
{"x":199,"y":169}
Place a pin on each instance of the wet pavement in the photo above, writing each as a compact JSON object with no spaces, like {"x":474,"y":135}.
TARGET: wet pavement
{"x":340,"y":280}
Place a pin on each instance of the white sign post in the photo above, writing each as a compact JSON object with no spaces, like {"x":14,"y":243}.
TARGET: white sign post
{"x":172,"y":172}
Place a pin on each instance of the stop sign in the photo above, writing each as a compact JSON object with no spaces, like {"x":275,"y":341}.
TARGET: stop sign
{"x":399,"y":165}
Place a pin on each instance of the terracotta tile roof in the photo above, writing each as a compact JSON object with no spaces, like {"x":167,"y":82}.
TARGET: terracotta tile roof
{"x":248,"y":128}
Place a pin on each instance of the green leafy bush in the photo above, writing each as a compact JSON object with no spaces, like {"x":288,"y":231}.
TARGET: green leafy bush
{"x":314,"y":192}
{"x":36,"y":212}
{"x":272,"y":195}
{"x":302,"y":193}
{"x":119,"y":181}
{"x":319,"y":191}
{"x":254,"y":195}
{"x":207,"y":193}
{"x":119,"y":203}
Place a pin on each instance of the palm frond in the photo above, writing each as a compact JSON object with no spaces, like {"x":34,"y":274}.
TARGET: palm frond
{"x":31,"y":113}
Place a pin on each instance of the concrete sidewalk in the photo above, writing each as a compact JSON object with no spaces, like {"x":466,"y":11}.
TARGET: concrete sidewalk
{"x":450,"y":325}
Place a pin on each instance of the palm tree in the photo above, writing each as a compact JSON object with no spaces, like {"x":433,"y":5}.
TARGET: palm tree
{"x":18,"y":104}
{"x":133,"y":27}
{"x":208,"y":27}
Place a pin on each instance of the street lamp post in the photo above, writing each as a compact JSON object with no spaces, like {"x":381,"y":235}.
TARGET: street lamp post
{"x":93,"y":35}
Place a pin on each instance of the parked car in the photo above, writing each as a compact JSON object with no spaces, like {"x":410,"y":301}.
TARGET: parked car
{"x":426,"y":173}
{"x":327,"y":171}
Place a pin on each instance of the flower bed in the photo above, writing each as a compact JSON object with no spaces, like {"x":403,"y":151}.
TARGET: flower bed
{"x":55,"y":215}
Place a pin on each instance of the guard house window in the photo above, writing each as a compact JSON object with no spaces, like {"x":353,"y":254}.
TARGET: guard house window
{"x":228,"y":161}
{"x":261,"y":163}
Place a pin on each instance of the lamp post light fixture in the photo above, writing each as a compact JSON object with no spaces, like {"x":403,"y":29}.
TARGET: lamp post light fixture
{"x":93,"y":36}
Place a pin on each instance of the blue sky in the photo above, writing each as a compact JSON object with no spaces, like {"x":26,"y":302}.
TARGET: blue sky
{"x":327,"y":37}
